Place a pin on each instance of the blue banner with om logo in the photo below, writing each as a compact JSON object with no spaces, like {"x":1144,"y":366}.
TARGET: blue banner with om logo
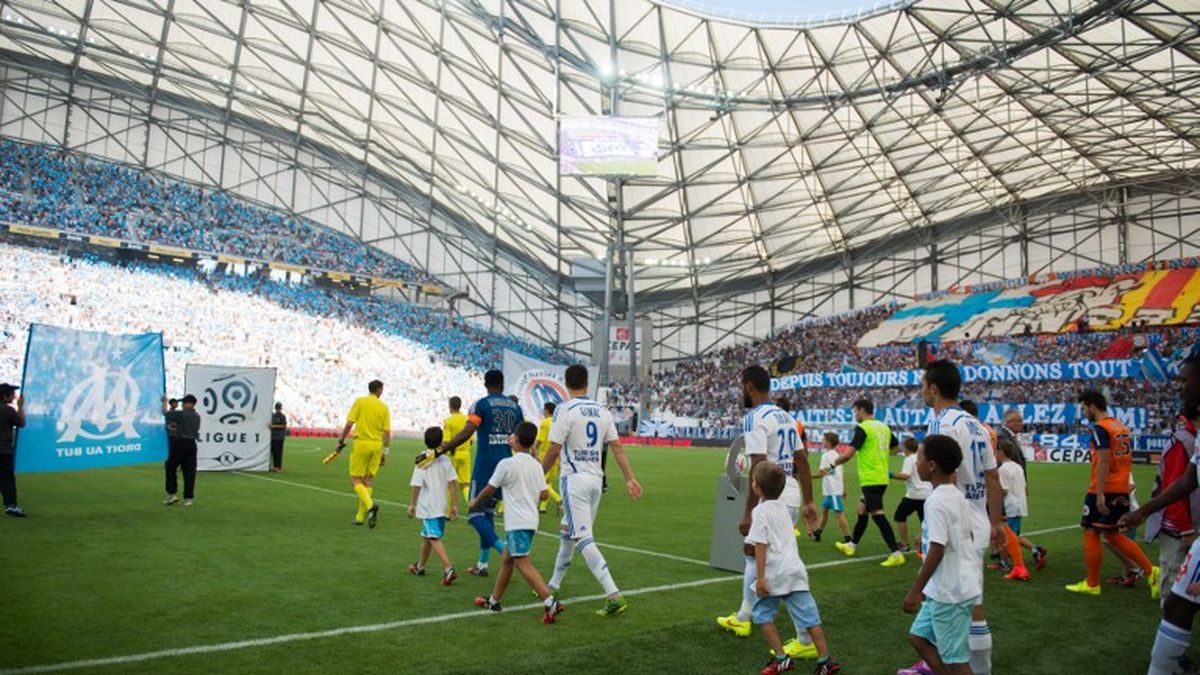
{"x":92,"y":400}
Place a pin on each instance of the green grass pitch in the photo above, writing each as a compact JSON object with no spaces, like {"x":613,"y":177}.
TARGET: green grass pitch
{"x":101,"y":570}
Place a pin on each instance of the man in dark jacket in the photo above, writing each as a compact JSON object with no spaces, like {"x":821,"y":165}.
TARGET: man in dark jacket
{"x":182,"y":453}
{"x":278,"y":433}
{"x":11,"y":419}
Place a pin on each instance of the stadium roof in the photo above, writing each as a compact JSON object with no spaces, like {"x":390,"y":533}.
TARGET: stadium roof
{"x":785,"y":141}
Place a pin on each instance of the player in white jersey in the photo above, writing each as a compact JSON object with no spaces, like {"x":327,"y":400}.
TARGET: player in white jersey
{"x":771,"y":435}
{"x":978,"y":479}
{"x":581,"y":430}
{"x":1181,"y":605}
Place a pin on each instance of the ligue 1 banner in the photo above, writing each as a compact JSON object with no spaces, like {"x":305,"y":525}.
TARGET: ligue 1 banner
{"x":1011,"y":372}
{"x":235,"y":415}
{"x":991,"y":413}
{"x":536,"y":383}
{"x":92,"y":400}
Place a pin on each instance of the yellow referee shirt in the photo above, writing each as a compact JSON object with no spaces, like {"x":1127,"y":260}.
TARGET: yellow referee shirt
{"x":370,"y":417}
{"x":542,"y":444}
{"x":452,"y":426}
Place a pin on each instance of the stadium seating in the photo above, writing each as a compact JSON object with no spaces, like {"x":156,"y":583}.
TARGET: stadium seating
{"x":48,"y":187}
{"x":326,"y":345}
{"x":705,"y":387}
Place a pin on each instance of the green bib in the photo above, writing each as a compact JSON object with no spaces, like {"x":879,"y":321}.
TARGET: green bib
{"x":873,"y":455}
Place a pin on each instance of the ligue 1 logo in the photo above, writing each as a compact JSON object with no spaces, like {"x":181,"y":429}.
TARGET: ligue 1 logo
{"x":233,"y":397}
{"x":101,"y":407}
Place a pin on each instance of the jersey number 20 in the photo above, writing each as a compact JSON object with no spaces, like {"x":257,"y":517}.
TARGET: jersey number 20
{"x":787,"y":440}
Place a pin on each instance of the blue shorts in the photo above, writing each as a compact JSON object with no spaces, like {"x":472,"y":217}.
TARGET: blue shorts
{"x":947,"y":626}
{"x":1014,"y":524}
{"x":800,"y":606}
{"x":433,"y":528}
{"x":518,"y":543}
{"x":832,"y":503}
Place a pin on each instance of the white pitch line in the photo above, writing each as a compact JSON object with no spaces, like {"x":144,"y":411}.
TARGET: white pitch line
{"x":390,"y":625}
{"x":333,"y":632}
{"x":630,"y":549}
{"x":318,"y":488}
{"x":1063,"y":528}
{"x":616,"y":547}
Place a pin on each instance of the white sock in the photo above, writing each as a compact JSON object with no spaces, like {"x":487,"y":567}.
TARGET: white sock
{"x":566,"y":551}
{"x":1170,"y":645}
{"x":749,"y":595}
{"x":599,"y":567}
{"x":980,"y":642}
{"x":803,"y":636}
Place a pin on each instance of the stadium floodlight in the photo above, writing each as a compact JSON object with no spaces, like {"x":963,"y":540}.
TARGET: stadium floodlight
{"x":605,"y":70}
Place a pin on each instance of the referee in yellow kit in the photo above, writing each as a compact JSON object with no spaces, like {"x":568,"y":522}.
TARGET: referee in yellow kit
{"x":372,"y":424}
{"x":460,"y":457}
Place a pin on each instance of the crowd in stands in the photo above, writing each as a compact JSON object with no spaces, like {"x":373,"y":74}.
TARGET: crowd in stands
{"x":706,"y":387}
{"x":48,"y":187}
{"x":325,"y":345}
{"x":41,"y":185}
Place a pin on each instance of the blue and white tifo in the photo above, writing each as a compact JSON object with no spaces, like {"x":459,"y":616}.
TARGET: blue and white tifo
{"x":92,"y":400}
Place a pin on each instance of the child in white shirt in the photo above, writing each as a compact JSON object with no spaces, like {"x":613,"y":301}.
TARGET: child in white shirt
{"x":833,"y":487}
{"x":524,"y":485}
{"x":1016,"y":503}
{"x":782,"y":576}
{"x":428,"y":502}
{"x":951,"y":576}
{"x":916,"y":491}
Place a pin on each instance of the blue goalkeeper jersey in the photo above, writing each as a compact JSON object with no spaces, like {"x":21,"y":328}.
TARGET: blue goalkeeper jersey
{"x":496,"y":418}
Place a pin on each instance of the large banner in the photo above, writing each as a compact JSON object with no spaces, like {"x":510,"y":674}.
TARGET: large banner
{"x":620,"y":346}
{"x":536,"y":383}
{"x":656,"y":429}
{"x":235,"y":416}
{"x":1165,"y":297}
{"x":92,"y":400}
{"x":1011,"y":372}
{"x":993,"y":413}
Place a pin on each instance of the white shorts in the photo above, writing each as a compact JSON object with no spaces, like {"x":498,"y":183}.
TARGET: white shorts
{"x":580,"y":501}
{"x":1189,"y":573}
{"x":792,"y":498}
